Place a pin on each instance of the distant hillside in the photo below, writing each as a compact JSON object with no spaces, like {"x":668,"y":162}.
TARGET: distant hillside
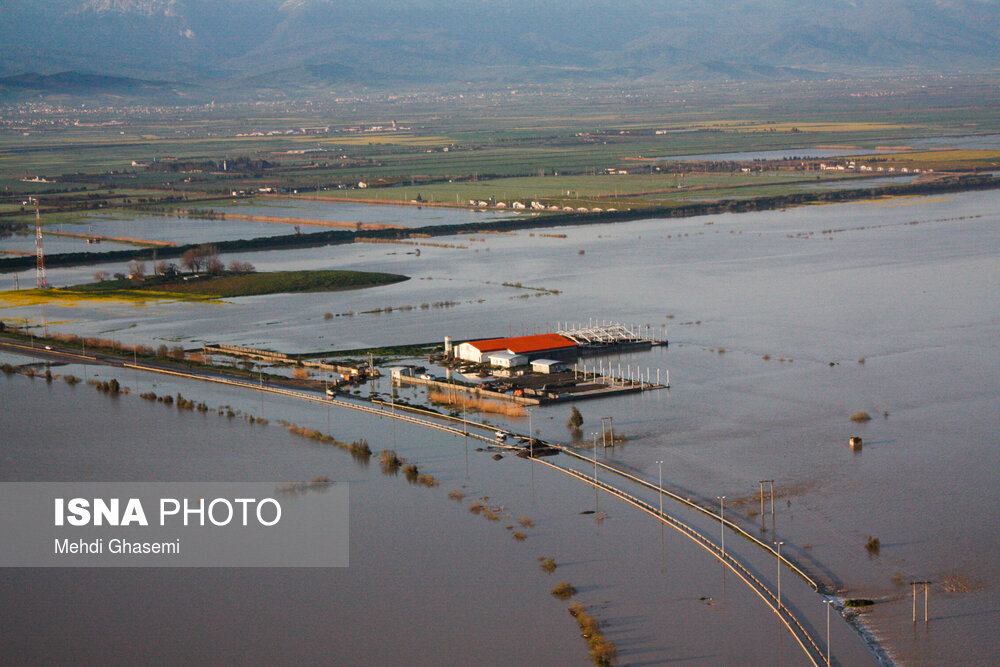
{"x":77,"y":83}
{"x":386,"y":42}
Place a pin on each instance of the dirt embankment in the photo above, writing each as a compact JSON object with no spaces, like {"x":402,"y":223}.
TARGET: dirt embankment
{"x":298,"y":221}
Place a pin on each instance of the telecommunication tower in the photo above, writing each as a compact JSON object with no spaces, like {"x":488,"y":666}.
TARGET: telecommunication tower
{"x":40,"y":281}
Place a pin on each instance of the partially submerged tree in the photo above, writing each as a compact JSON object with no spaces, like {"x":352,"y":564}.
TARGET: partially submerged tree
{"x":575,"y":419}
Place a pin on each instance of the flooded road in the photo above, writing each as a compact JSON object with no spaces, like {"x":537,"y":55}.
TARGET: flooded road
{"x":782,"y":325}
{"x":429,"y":581}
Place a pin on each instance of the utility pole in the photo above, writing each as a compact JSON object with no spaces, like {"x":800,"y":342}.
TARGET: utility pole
{"x":595,"y":458}
{"x":927,"y":592}
{"x":779,"y":573}
{"x":660,"y":487}
{"x":828,"y":603}
{"x":722,"y":522}
{"x":762,"y":483}
{"x":762,"y":503}
{"x":926,"y":585}
{"x":604,"y":433}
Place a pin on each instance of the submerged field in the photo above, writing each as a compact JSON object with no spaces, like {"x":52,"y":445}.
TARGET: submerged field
{"x":782,"y":324}
{"x":777,"y":337}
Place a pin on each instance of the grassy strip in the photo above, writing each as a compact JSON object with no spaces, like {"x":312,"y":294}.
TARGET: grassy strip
{"x":406,"y":350}
{"x":475,"y":404}
{"x":603,"y":652}
{"x":246,"y":284}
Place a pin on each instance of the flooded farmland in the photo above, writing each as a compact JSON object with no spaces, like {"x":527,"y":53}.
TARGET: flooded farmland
{"x":430,"y":582}
{"x":781,"y":325}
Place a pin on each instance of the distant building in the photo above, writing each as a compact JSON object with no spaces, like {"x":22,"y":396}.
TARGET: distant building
{"x":399,"y":372}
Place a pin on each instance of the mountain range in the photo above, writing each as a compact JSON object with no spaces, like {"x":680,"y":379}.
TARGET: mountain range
{"x":379,"y":43}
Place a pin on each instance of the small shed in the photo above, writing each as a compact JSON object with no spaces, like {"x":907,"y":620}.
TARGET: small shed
{"x":399,"y":372}
{"x":507,"y":359}
{"x":548,"y":366}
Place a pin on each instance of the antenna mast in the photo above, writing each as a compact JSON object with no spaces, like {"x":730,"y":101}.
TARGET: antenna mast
{"x":40,"y":281}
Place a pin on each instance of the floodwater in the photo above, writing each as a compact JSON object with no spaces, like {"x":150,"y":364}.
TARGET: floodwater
{"x":182,"y":230}
{"x":405,"y":216}
{"x":963,"y":142}
{"x":782,"y":325}
{"x":429,"y":582}
{"x":177,"y":230}
{"x":25,"y":243}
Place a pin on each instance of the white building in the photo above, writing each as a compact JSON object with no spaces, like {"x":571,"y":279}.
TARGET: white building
{"x":399,"y":372}
{"x":507,"y":359}
{"x":548,"y":366}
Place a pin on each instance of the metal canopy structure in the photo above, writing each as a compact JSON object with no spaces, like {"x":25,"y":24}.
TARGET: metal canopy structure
{"x":603,"y":334}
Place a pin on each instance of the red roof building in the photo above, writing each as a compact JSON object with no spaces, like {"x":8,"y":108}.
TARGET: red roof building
{"x":531,"y":346}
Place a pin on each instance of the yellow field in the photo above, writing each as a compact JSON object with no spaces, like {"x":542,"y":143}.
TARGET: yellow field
{"x":810,"y":127}
{"x":908,"y":200}
{"x":946,"y":156}
{"x":36,"y":297}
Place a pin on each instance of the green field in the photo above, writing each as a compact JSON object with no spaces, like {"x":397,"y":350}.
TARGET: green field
{"x":551,"y":145}
{"x":234,"y":285}
{"x":602,"y":190}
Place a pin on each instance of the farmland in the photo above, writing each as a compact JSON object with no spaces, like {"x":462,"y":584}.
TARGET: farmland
{"x":500,"y":145}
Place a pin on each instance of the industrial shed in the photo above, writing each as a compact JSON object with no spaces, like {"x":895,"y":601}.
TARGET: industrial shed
{"x":532,"y":347}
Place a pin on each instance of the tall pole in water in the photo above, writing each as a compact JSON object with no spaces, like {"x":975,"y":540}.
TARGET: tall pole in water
{"x":660,"y":487}
{"x":762,"y":502}
{"x":828,"y":630}
{"x":595,"y":458}
{"x":722,"y":522}
{"x":779,"y":573}
{"x":927,"y":592}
